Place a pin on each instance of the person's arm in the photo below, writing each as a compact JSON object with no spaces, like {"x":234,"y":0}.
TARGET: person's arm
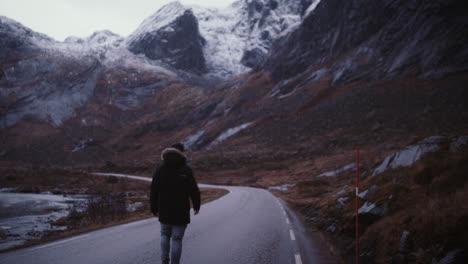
{"x":194,"y":193}
{"x":154,"y":193}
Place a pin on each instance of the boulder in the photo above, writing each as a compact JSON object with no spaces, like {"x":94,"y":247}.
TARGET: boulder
{"x":411,"y":154}
{"x":171,"y":36}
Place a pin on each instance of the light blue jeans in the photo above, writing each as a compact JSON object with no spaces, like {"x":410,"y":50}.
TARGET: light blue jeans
{"x":176,"y":232}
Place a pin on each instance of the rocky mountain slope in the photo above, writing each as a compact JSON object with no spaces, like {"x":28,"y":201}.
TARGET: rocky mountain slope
{"x":217,"y":42}
{"x":50,"y":79}
{"x":373,"y":76}
{"x":171,"y":35}
{"x":369,"y":40}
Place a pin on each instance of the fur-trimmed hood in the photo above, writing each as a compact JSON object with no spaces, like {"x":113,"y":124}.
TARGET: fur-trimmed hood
{"x":173,"y":157}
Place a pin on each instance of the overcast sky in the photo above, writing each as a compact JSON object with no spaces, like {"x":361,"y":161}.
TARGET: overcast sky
{"x":62,"y":18}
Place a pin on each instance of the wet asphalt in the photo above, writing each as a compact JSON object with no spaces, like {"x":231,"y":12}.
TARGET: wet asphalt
{"x":246,"y":226}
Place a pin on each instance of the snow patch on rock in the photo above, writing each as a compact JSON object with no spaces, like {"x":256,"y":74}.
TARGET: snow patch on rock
{"x":410,"y":154}
{"x":283,"y":187}
{"x":340,"y":202}
{"x":338,"y":171}
{"x":192,"y":139}
{"x":366,"y":208}
{"x":364,"y":194}
{"x":340,"y":192}
{"x":229,"y":133}
{"x":82,"y":145}
{"x":240,"y":36}
{"x":311,"y":8}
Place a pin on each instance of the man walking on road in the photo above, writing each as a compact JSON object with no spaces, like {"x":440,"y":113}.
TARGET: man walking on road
{"x":172,"y":188}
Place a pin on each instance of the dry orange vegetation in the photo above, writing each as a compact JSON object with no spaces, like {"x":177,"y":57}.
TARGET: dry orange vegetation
{"x":428,"y":200}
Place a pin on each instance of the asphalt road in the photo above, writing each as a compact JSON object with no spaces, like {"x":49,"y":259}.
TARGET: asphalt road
{"x":246,"y":226}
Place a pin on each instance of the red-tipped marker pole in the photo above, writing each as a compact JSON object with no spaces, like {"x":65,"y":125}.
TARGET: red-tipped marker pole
{"x":357,"y":206}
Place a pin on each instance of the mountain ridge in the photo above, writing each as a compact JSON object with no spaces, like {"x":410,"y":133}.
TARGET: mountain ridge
{"x":295,"y":92}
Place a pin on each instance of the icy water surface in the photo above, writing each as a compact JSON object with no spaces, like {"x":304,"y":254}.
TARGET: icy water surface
{"x":25,"y":216}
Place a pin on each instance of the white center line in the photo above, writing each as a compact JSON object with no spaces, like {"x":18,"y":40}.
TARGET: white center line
{"x":287,"y":220}
{"x":298,"y":259}
{"x":291,"y":234}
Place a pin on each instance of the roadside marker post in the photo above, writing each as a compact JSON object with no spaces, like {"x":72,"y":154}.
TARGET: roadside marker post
{"x":357,"y":206}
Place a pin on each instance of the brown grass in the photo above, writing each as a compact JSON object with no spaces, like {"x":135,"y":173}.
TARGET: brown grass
{"x":427,"y":199}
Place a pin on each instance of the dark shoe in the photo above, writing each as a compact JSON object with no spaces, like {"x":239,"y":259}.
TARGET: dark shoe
{"x":165,"y":261}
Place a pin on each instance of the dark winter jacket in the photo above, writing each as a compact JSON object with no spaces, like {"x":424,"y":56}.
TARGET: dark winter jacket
{"x":172,"y":186}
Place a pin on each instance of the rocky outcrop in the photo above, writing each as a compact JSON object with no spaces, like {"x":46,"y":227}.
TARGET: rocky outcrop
{"x":267,"y":20}
{"x":253,"y":58}
{"x":409,"y":155}
{"x":171,"y":36}
{"x":363,"y":39}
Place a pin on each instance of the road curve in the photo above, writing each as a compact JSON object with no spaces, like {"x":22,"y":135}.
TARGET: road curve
{"x":246,"y":226}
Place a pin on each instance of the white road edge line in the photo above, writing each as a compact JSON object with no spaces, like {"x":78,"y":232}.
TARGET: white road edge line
{"x":291,"y":234}
{"x":138,"y":222}
{"x":298,"y":259}
{"x":57,"y":243}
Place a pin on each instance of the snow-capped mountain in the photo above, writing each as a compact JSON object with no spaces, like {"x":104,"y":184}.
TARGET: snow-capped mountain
{"x":218,"y":42}
{"x":171,"y":35}
{"x":347,"y":64}
{"x":206,"y":41}
{"x":239,"y":37}
{"x":50,"y":80}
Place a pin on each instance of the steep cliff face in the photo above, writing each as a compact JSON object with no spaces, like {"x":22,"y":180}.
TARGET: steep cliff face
{"x":360,"y":39}
{"x":217,"y":42}
{"x":172,"y":36}
{"x":266,"y":21}
{"x":240,"y":36}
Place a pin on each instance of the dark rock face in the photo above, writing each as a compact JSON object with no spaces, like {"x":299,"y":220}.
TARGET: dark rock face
{"x":265,"y":23}
{"x":304,"y":5}
{"x":253,"y":58}
{"x":373,"y":40}
{"x":178,"y":44}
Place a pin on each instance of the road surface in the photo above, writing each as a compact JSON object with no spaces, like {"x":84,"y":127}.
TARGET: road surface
{"x":246,"y":226}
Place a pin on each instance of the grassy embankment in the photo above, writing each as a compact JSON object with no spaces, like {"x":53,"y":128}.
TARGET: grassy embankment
{"x":421,"y":211}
